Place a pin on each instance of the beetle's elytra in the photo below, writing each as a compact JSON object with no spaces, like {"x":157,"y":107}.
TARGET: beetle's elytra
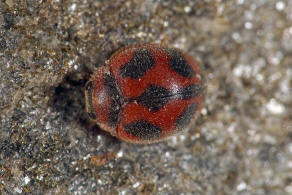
{"x":145,"y":93}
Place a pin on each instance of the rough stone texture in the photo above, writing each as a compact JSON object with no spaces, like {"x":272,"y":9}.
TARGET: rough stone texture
{"x":242,"y":143}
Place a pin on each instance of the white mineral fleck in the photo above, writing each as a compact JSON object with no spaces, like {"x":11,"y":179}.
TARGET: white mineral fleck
{"x":241,"y":186}
{"x":275,"y":107}
{"x":26,"y":180}
{"x":280,"y":5}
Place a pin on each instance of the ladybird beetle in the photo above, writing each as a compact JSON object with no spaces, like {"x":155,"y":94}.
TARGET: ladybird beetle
{"x":145,"y":93}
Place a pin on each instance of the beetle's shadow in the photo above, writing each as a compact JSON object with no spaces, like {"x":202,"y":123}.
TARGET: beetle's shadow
{"x":69,"y":101}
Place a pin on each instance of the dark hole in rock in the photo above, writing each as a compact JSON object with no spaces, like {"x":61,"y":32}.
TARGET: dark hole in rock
{"x":69,"y":101}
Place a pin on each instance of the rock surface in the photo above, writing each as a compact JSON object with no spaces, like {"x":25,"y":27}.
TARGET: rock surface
{"x":242,"y":143}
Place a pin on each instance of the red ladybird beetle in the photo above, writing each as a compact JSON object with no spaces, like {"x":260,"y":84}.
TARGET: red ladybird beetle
{"x":145,"y":93}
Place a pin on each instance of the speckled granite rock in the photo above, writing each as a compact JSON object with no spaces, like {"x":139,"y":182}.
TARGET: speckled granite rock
{"x":242,"y":143}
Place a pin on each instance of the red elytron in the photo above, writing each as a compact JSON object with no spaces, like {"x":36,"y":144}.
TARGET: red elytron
{"x":145,"y":93}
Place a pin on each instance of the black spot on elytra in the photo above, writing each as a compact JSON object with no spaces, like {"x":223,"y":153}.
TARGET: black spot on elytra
{"x":138,"y":65}
{"x":89,"y":91}
{"x":186,"y":116}
{"x":143,"y":130}
{"x":115,"y":107}
{"x":190,"y":91}
{"x":179,"y":64}
{"x":154,"y":97}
